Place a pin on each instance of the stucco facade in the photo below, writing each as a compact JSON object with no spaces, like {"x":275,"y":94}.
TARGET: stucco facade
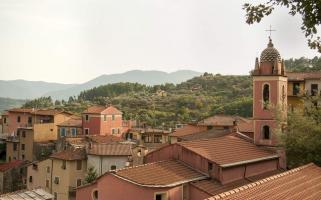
{"x":103,"y":164}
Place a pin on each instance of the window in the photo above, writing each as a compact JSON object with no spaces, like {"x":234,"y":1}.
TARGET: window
{"x":266,"y":132}
{"x":18,"y":119}
{"x":266,"y":96}
{"x":78,"y":182}
{"x":113,"y":167}
{"x":105,"y":117}
{"x":113,"y":117}
{"x":86,"y":131}
{"x":160,"y":196}
{"x":113,"y":131}
{"x":30,"y":179}
{"x":29,"y":120}
{"x":73,"y":131}
{"x":314,"y":89}
{"x":24,"y":134}
{"x":47,"y":183}
{"x":23,"y":156}
{"x":14,"y":158}
{"x":9,"y":158}
{"x":63,"y":165}
{"x":157,"y":138}
{"x":56,"y":180}
{"x":148,"y":138}
{"x":55,"y":196}
{"x":79,"y":164}
{"x":15,"y":147}
{"x":296,"y":88}
{"x":95,"y":195}
{"x":209,"y":166}
{"x":87,"y":117}
{"x":62,"y":132}
{"x":4,"y":120}
{"x":23,"y":146}
{"x":48,"y":169}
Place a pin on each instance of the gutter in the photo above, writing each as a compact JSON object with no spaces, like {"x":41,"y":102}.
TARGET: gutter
{"x":249,"y":161}
{"x":162,"y":186}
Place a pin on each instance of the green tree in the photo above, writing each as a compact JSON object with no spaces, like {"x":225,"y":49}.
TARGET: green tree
{"x":302,"y":136}
{"x":91,"y":175}
{"x":310,"y":11}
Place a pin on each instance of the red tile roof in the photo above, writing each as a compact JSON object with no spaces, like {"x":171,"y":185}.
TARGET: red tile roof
{"x":110,"y":149}
{"x":21,"y":110}
{"x":228,"y":150}
{"x":218,"y":120}
{"x":102,"y":110}
{"x":300,"y":183}
{"x":214,"y":187}
{"x":205,"y":135}
{"x":160,"y":174}
{"x":187,"y":130}
{"x":105,"y":139}
{"x":70,"y":154}
{"x":10,"y":165}
{"x":71,"y":123}
{"x":245,"y":126}
{"x":50,"y":112}
{"x":301,"y":76}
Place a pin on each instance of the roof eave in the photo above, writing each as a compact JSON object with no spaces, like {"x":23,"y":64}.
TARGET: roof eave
{"x":162,"y":186}
{"x":249,"y":161}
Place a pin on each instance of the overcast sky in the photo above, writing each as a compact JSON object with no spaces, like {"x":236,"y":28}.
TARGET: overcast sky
{"x":73,"y":41}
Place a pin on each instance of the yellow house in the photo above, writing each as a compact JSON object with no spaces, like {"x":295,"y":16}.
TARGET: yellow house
{"x":61,"y":174}
{"x":302,"y":83}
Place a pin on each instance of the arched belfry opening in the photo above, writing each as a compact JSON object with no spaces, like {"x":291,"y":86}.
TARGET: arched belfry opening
{"x":266,"y":96}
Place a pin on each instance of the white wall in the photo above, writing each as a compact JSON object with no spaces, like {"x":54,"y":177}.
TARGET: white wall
{"x":102,"y":164}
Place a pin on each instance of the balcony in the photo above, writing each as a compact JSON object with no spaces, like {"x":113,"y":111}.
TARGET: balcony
{"x":13,"y":139}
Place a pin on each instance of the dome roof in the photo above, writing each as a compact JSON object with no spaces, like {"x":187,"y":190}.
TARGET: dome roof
{"x":270,"y":54}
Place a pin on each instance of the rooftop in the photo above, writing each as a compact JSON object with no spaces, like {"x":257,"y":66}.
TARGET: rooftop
{"x":50,"y":112}
{"x":301,"y":76}
{"x":300,"y":183}
{"x":105,"y":139}
{"x":228,"y":150}
{"x":160,"y":174}
{"x":205,"y":135}
{"x":70,"y":154}
{"x":38,"y":194}
{"x":102,"y":110}
{"x":110,"y":149}
{"x":10,"y":165}
{"x":76,"y":122}
{"x":187,"y":130}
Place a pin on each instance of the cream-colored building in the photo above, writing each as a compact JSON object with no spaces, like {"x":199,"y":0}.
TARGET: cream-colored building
{"x":61,"y":174}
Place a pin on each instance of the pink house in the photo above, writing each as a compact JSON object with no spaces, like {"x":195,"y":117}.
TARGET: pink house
{"x":101,"y":120}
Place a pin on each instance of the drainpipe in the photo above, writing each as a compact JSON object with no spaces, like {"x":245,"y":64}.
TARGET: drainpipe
{"x":51,"y":170}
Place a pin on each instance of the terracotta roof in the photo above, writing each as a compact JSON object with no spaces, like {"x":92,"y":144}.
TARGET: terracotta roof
{"x":37,"y":194}
{"x":102,"y":110}
{"x":71,"y":123}
{"x":218,"y":120}
{"x":205,"y":135}
{"x":21,"y":110}
{"x":300,"y":183}
{"x":214,"y":187}
{"x":187,"y":130}
{"x":149,"y":130}
{"x":105,"y":139}
{"x":10,"y":165}
{"x":245,"y":126}
{"x":110,"y":149}
{"x":160,"y":174}
{"x":301,"y":76}
{"x":228,"y":150}
{"x":70,"y":154}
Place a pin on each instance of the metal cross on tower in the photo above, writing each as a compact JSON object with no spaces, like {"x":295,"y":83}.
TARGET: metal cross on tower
{"x":270,"y":30}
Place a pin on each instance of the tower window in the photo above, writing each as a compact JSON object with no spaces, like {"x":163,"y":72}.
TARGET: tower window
{"x":266,"y":95}
{"x":266,"y":132}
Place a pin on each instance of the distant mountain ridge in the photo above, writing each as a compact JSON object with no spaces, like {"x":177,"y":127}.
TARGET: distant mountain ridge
{"x":22,"y":89}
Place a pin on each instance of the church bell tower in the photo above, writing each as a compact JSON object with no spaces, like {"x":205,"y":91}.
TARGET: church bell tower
{"x":269,"y":95}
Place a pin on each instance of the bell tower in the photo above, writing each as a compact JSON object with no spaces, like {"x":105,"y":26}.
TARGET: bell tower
{"x":269,"y":95}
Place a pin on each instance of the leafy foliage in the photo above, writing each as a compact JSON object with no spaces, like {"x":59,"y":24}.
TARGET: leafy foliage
{"x":302,"y":137}
{"x":91,"y":175}
{"x":310,"y":10}
{"x":42,"y":102}
{"x":303,"y":64}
